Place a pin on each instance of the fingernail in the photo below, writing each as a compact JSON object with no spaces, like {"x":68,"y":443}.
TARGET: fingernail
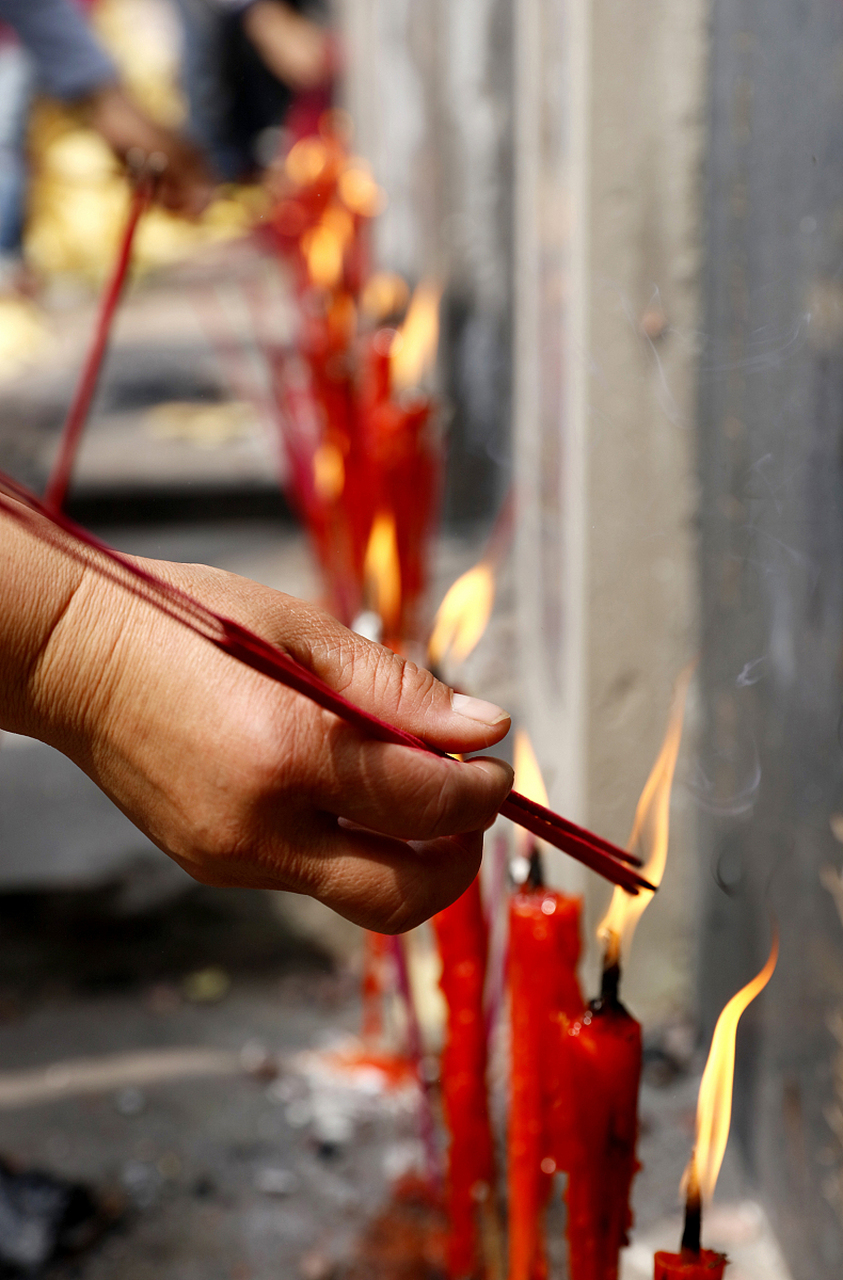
{"x":478,"y":710}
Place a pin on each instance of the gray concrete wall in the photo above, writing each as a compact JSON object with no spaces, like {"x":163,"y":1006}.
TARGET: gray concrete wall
{"x":609,"y":253}
{"x":429,"y":86}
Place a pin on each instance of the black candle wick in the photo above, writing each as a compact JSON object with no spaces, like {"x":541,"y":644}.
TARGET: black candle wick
{"x":535,"y":876}
{"x":693,"y":1223}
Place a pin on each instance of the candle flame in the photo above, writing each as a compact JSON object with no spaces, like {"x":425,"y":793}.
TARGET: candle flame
{"x":529,"y":781}
{"x":323,"y":252}
{"x":528,"y":775}
{"x":382,"y":570}
{"x":463,"y":615}
{"x":359,"y":191}
{"x":306,"y":161}
{"x":328,"y":472}
{"x":383,"y":294}
{"x":714,"y":1104}
{"x":650,"y":831}
{"x":413,"y":353}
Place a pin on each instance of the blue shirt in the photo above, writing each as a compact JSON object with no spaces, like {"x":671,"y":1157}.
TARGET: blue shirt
{"x":69,"y":60}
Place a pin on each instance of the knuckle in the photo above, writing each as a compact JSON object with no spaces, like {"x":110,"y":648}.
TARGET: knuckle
{"x":416,"y":689}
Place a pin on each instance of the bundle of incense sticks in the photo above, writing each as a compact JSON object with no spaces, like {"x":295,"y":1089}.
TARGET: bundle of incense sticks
{"x":144,"y":182}
{"x":614,"y":864}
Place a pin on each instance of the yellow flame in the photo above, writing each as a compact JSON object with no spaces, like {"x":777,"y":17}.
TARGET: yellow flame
{"x":323,"y":251}
{"x":650,"y":830}
{"x":714,"y":1104}
{"x":339,"y":221}
{"x":383,"y":294}
{"x":463,"y":615}
{"x":328,"y":472}
{"x":528,"y":775}
{"x":413,"y":353}
{"x":382,"y":570}
{"x":306,"y":161}
{"x":359,"y":191}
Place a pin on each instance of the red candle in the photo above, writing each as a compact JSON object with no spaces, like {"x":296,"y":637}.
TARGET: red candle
{"x":705,"y":1265}
{"x":544,"y":948}
{"x":600,"y":1068}
{"x":463,"y":943}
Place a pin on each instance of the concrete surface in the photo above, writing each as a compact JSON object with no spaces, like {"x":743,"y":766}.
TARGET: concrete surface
{"x":229,"y":1173}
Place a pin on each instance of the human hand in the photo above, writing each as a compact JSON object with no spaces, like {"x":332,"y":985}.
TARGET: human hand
{"x":243,"y":781}
{"x":184,"y":183}
{"x":294,"y":49}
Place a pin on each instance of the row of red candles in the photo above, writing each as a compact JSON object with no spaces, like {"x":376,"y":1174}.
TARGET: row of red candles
{"x":575,"y":1070}
{"x":357,"y":450}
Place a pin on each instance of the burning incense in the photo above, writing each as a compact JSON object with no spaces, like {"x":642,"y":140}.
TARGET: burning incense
{"x":714,"y":1117}
{"x":240,"y":643}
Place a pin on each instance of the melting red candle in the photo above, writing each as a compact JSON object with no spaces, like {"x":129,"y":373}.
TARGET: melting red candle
{"x":600,"y":1067}
{"x":705,"y":1265}
{"x":463,"y":942}
{"x":599,"y":1054}
{"x":544,"y":950}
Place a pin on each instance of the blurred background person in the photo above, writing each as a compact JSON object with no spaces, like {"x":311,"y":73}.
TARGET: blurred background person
{"x":243,"y":63}
{"x":16,"y":89}
{"x":47,"y":46}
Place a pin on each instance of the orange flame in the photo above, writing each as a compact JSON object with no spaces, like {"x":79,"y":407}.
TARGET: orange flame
{"x":528,"y":775}
{"x":382,"y":570}
{"x":413,"y":353}
{"x":306,"y":161}
{"x":463,"y":615}
{"x":650,"y":830}
{"x":714,"y":1104}
{"x":529,"y":781}
{"x":359,"y":191}
{"x":383,"y":294}
{"x":323,"y":252}
{"x":328,"y":471}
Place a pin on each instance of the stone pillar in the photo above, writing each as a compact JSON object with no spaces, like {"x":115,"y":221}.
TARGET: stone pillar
{"x":610,"y":102}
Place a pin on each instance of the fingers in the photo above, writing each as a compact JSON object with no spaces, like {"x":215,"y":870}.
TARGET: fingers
{"x":398,"y":690}
{"x":369,"y":675}
{"x":402,"y":792}
{"x":390,"y":886}
{"x":374,"y":881}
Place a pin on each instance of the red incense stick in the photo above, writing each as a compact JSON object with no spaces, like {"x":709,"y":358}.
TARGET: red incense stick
{"x":614,"y":864}
{"x":59,"y":480}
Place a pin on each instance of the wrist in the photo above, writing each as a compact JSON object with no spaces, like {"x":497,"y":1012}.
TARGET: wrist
{"x":58,"y":618}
